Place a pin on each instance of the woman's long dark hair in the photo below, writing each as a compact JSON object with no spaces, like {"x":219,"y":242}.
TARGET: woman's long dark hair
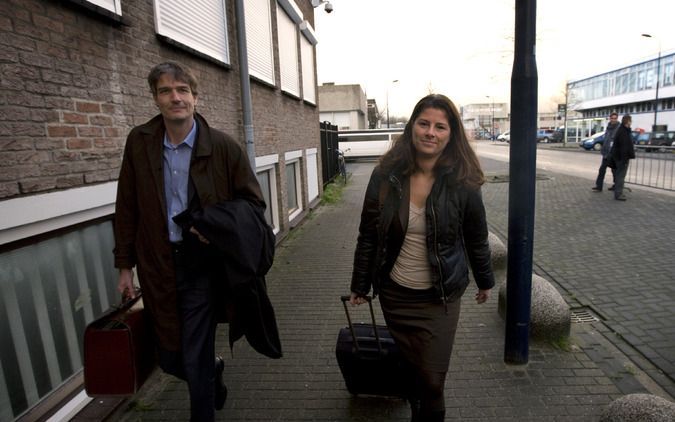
{"x":458,"y":153}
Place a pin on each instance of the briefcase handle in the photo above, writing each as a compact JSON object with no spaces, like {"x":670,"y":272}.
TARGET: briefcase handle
{"x":128,"y":301}
{"x":369,"y":299}
{"x":125,"y":303}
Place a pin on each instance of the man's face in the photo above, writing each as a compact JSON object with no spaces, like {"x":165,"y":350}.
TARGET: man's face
{"x":175,"y":99}
{"x":613,"y":118}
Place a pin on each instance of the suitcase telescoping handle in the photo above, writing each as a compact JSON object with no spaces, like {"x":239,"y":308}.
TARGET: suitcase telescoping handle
{"x":345,"y":299}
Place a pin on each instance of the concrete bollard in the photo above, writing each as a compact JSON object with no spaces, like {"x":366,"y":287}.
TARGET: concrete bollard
{"x":550,"y":317}
{"x":639,"y":408}
{"x":499,"y":258}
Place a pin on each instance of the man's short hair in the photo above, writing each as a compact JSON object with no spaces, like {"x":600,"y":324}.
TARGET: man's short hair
{"x":178,"y":71}
{"x":614,"y":113}
{"x":626,"y":118}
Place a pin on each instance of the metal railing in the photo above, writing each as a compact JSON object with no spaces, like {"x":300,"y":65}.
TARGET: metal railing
{"x":329,"y":147}
{"x":653,"y":167}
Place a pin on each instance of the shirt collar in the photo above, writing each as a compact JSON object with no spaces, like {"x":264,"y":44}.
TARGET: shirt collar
{"x":189,"y":139}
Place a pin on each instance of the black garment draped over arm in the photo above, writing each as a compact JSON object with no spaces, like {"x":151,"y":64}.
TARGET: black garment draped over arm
{"x":244,"y":240}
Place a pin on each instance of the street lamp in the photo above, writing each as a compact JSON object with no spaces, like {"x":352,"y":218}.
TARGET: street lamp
{"x":492,"y":121}
{"x":658,"y":77}
{"x":392,"y":82}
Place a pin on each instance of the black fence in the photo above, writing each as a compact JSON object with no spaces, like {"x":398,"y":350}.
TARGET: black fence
{"x":329,"y":147}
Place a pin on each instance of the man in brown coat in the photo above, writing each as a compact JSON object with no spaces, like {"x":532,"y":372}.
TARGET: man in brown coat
{"x":173,"y":165}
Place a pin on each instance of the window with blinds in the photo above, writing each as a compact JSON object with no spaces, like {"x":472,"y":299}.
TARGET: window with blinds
{"x":259,"y":39}
{"x":308,"y":78}
{"x":288,"y":53}
{"x":113,"y":6}
{"x":199,"y":24}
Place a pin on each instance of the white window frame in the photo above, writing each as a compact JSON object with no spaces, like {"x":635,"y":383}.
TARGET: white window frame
{"x":307,"y":43}
{"x":28,"y":216}
{"x":200,"y":25}
{"x":259,"y":42}
{"x":312,"y":172}
{"x":114,"y":6}
{"x":294,"y":157}
{"x":287,"y":33}
{"x":269,"y":164}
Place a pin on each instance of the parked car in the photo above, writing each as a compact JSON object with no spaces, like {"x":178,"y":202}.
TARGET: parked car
{"x":505,"y":137}
{"x":594,"y":142}
{"x":557,"y":136}
{"x":544,"y":135}
{"x":573,"y":135}
{"x":660,"y":139}
{"x":483,"y":134}
{"x":642,"y":138}
{"x":635,"y":135}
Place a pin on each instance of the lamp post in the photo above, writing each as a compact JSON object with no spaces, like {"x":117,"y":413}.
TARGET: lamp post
{"x":658,"y":77}
{"x":392,"y":82}
{"x":492,"y":121}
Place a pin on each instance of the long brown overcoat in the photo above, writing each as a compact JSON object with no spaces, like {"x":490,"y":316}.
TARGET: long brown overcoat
{"x":219,"y":170}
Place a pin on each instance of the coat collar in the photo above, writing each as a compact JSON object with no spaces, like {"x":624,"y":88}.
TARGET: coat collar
{"x":153,"y":135}
{"x":155,"y":128}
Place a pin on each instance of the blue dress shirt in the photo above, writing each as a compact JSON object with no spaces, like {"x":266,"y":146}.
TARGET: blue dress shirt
{"x":176,"y":175}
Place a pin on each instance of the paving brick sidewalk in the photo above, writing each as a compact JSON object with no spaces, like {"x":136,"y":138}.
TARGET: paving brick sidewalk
{"x":311,"y":270}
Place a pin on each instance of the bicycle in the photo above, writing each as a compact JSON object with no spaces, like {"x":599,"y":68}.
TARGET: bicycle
{"x":342,"y":166}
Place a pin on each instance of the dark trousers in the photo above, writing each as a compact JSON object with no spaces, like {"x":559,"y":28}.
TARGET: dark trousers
{"x":619,"y":177}
{"x":601,"y":174}
{"x":195,"y":363}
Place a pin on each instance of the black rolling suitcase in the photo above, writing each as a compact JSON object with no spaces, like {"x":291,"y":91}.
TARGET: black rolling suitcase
{"x":369,"y":359}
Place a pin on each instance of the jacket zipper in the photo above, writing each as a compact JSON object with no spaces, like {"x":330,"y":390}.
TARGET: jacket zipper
{"x":436,"y":257}
{"x":382,"y":251}
{"x":397,"y":185}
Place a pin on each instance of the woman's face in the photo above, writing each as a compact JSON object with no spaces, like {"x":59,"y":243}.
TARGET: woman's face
{"x":431,"y":133}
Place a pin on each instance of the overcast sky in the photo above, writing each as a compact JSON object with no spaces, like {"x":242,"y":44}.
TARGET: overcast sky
{"x":464,"y":48}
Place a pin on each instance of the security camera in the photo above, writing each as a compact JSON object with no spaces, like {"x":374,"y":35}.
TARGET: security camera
{"x":328,"y":8}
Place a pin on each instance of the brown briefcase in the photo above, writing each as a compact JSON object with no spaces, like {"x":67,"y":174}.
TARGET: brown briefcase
{"x":118,"y":351}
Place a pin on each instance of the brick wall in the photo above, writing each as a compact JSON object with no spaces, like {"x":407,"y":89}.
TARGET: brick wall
{"x":73,"y":85}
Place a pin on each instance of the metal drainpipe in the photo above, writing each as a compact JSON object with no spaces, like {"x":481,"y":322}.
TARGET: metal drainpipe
{"x":246,"y":107}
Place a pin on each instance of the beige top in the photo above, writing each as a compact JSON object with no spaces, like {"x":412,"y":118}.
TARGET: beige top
{"x":412,"y":269}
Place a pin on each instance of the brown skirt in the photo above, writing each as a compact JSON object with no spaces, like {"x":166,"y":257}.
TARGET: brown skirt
{"x":420,"y":325}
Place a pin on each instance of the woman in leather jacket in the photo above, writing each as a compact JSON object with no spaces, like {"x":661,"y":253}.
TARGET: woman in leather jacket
{"x":422,"y":218}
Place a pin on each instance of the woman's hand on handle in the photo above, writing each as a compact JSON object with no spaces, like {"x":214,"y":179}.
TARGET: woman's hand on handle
{"x":482,"y":296}
{"x":355,"y":299}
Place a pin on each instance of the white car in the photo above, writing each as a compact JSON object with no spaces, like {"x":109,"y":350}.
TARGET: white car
{"x":505,"y":137}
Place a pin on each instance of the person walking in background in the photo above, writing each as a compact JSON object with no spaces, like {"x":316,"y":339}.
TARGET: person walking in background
{"x":422,"y":210}
{"x":610,"y":132}
{"x":174,"y":167}
{"x":622,"y":152}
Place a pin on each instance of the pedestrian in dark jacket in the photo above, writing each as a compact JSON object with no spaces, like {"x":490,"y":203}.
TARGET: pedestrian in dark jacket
{"x":422,"y":217}
{"x":174,"y":165}
{"x":610,"y":132}
{"x":622,"y":152}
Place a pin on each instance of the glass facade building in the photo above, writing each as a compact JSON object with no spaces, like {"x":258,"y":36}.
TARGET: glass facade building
{"x":629,"y":90}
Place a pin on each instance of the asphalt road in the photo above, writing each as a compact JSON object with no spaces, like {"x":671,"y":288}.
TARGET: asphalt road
{"x":572,"y":161}
{"x":654,"y":169}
